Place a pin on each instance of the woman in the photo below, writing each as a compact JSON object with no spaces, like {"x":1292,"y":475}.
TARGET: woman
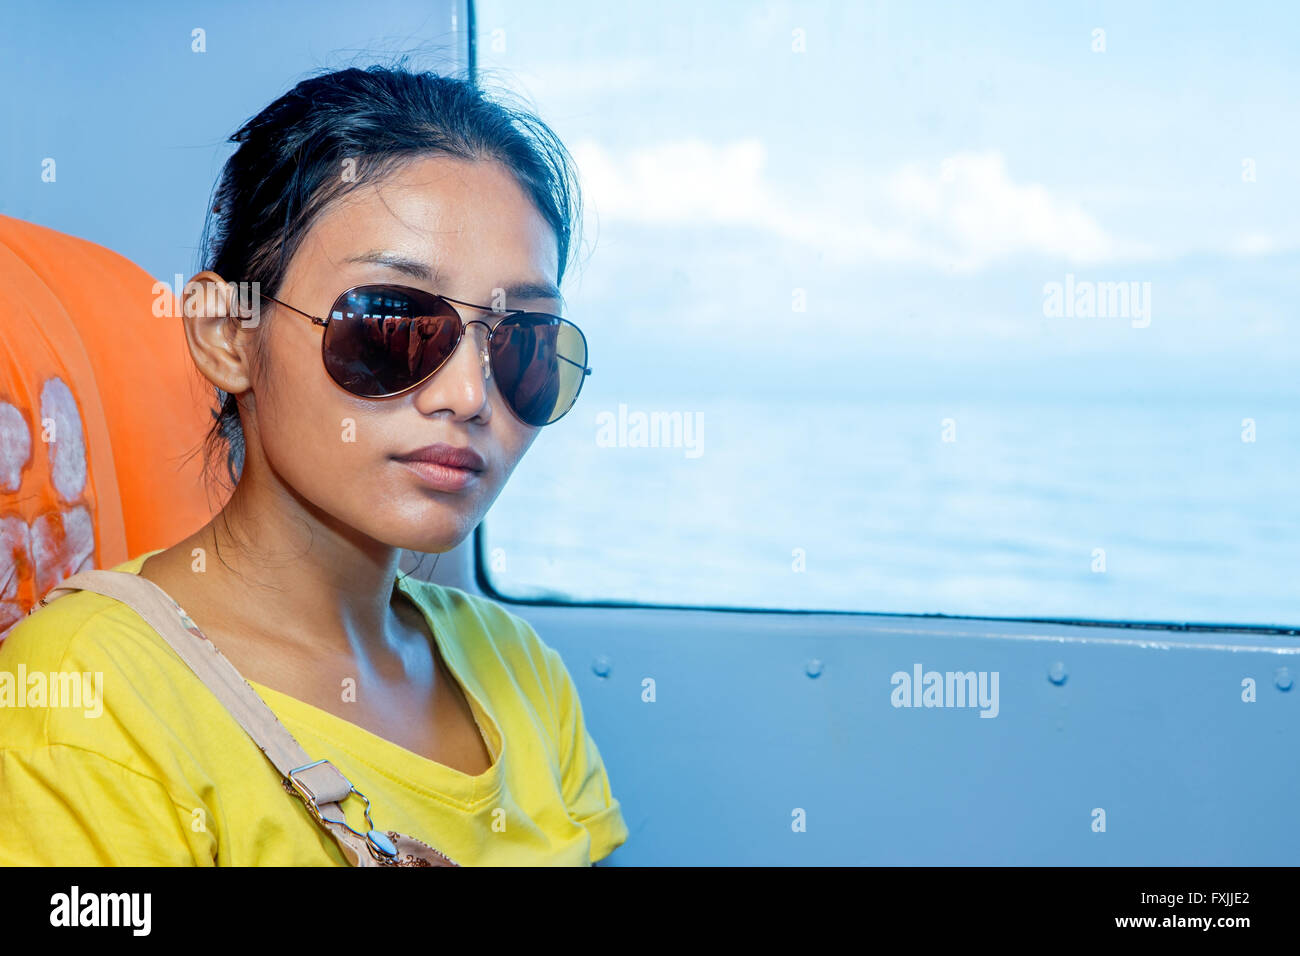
{"x":361,"y":418}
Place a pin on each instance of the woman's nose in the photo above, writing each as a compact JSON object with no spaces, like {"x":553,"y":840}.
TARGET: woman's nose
{"x":462,"y":384}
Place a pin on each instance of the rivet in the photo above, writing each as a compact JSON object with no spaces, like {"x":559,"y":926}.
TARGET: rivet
{"x":601,"y":666}
{"x":1282,"y":678}
{"x":1056,"y":673}
{"x":814,"y":668}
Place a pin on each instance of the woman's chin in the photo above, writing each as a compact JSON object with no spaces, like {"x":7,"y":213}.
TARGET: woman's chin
{"x":428,"y":537}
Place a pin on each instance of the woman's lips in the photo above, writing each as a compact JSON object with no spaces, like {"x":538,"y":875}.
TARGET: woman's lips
{"x":442,"y":477}
{"x":445,"y":467}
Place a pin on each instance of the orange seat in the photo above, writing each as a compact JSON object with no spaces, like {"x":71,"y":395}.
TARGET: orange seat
{"x":102,"y":414}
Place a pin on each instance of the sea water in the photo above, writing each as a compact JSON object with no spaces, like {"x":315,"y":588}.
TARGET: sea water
{"x":1155,"y":506}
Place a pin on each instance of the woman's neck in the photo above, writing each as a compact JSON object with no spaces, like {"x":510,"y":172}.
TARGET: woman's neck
{"x":272,"y":565}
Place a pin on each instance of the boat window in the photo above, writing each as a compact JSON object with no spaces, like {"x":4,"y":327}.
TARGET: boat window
{"x":919,"y":308}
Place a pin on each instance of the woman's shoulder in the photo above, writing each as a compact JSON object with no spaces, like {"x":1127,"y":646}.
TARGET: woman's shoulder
{"x":77,"y":629}
{"x":86,"y":669}
{"x":474,"y":612}
{"x":486,"y":632}
{"x":99,"y":731}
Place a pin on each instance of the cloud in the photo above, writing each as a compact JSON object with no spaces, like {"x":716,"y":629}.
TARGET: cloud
{"x":1256,"y":244}
{"x":973,"y":213}
{"x":678,"y":183}
{"x":961,"y":214}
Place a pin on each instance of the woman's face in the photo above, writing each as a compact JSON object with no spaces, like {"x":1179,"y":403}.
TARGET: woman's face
{"x":475,"y":232}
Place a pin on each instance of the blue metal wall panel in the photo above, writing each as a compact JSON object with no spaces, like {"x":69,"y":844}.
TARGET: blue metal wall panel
{"x":1149,"y":726}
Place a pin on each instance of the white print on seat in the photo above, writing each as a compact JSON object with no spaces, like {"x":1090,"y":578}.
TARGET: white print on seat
{"x":57,"y":543}
{"x":67,"y":446}
{"x":15,"y":447}
{"x":63,"y":543}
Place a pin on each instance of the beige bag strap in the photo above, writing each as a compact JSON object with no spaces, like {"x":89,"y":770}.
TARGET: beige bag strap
{"x":319,"y":784}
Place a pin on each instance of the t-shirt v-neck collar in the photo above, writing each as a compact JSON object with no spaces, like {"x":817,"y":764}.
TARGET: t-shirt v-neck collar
{"x":383,"y":756}
{"x":395,"y":762}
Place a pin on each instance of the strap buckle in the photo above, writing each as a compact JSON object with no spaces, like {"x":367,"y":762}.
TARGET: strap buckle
{"x":380,"y":846}
{"x":294,"y":785}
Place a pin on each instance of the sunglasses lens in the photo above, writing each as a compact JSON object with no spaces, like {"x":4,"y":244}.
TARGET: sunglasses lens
{"x":383,"y":339}
{"x":539,"y":362}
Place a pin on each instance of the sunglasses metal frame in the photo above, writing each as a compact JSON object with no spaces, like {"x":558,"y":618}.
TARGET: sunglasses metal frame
{"x":464,"y":327}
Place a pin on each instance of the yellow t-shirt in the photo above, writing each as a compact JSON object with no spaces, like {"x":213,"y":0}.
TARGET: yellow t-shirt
{"x":153,"y":771}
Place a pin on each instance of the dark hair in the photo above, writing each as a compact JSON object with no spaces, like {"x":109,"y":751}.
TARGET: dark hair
{"x":289,"y":163}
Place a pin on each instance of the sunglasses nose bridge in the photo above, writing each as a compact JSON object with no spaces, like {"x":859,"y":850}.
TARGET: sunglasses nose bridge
{"x":484,"y":355}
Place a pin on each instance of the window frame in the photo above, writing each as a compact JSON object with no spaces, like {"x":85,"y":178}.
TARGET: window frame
{"x":469,"y":571}
{"x":472,"y":572}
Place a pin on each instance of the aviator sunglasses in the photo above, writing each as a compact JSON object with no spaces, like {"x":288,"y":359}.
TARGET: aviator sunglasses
{"x":383,"y":340}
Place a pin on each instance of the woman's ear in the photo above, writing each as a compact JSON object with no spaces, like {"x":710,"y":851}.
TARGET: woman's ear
{"x":219,"y":328}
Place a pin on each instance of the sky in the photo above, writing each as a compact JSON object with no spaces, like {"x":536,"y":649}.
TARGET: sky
{"x":923,"y":172}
